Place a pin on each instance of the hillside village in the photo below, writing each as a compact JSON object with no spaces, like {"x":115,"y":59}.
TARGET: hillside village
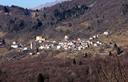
{"x":66,"y":44}
{"x":37,"y":45}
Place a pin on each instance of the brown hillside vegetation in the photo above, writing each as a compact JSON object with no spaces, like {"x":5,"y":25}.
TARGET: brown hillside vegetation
{"x":113,"y":69}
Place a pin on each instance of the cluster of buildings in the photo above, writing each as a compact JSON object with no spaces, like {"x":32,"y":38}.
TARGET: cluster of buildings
{"x":41,"y":43}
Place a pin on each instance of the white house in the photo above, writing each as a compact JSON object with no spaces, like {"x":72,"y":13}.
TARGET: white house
{"x":58,"y":47}
{"x":40,"y":38}
{"x":25,"y":48}
{"x":14,"y":46}
{"x":14,"y":42}
{"x":94,"y":37}
{"x":38,"y":53}
{"x":106,"y":33}
{"x":98,"y":42}
{"x":95,"y":45}
{"x":90,"y":38}
{"x":66,"y":37}
{"x":30,"y":53}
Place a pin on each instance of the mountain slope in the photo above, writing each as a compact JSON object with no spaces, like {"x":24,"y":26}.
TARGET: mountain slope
{"x":77,"y":18}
